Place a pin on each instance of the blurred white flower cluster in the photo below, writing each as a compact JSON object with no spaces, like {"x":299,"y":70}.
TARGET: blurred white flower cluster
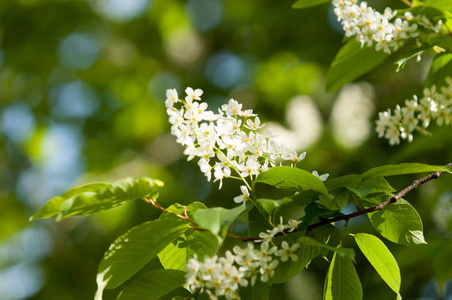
{"x":226,"y":141}
{"x":370,"y":26}
{"x":223,"y":276}
{"x":404,"y":120}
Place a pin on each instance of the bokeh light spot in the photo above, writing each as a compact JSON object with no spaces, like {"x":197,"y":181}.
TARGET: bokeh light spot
{"x":225,"y":70}
{"x":79,"y":50}
{"x":20,"y":281}
{"x":18,"y":122}
{"x":160,"y":82}
{"x":350,"y":117}
{"x":75,"y":99}
{"x":204,"y":14}
{"x":120,"y":10}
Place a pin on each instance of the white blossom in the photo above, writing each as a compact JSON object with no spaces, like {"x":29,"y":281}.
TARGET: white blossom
{"x":401,"y":123}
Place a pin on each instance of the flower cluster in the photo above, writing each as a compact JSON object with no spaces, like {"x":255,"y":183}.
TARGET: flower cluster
{"x":370,"y":26}
{"x":226,"y":141}
{"x":222,"y":276}
{"x":404,"y":120}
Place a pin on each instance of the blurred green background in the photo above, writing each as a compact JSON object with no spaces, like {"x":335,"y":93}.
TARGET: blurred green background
{"x":82,"y":86}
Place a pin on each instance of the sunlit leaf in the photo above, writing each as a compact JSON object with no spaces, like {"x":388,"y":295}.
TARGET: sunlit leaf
{"x":177,"y":253}
{"x":218,"y":219}
{"x":153,"y":285}
{"x":342,"y":281}
{"x":95,"y":197}
{"x":398,"y":222}
{"x":292,"y":179}
{"x":289,"y":269}
{"x":134,"y":249}
{"x":381,"y":259}
{"x":351,"y":62}
{"x":344,"y":252}
{"x":404,"y":168}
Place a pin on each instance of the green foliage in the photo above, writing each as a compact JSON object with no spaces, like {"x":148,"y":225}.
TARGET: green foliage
{"x":308,"y":3}
{"x":292,"y":179}
{"x":399,"y":222}
{"x":153,"y":285}
{"x":218,"y":219}
{"x":342,"y":281}
{"x":440,"y":69}
{"x":191,"y":242}
{"x":381,"y":259}
{"x":306,"y":254}
{"x":133,"y":250}
{"x":403,"y":169}
{"x":259,"y":291}
{"x":351,"y":62}
{"x":96,"y":197}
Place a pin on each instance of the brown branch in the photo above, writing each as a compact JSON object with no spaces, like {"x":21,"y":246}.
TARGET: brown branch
{"x":380,"y":206}
{"x":407,"y":3}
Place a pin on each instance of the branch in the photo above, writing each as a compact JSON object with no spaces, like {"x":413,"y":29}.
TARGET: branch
{"x":407,"y":3}
{"x":382,"y":205}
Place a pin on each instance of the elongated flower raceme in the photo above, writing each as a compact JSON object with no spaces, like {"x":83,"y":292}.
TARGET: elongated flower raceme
{"x":384,"y":30}
{"x":417,"y":114}
{"x":227,"y":141}
{"x":223,"y":276}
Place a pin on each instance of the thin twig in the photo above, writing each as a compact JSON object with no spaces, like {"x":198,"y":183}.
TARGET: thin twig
{"x":157,"y":205}
{"x":380,"y":206}
{"x":408,"y":3}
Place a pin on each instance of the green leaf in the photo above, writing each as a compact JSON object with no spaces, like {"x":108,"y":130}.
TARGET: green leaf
{"x":314,"y":211}
{"x":153,"y":285}
{"x":259,"y":291}
{"x":289,"y":269}
{"x":292,"y":179}
{"x":444,"y":5}
{"x":95,"y":197}
{"x":352,"y":180}
{"x":177,"y":253}
{"x":351,"y":62}
{"x":257,"y":223}
{"x":134,"y":249}
{"x":398,"y":222}
{"x":342,"y":281}
{"x":182,"y":209}
{"x":341,"y":199}
{"x":404,"y":168}
{"x":359,"y":182}
{"x":408,"y":53}
{"x":344,"y":252}
{"x":217,"y":220}
{"x":381,"y":259}
{"x":308,"y":3}
{"x":441,"y":68}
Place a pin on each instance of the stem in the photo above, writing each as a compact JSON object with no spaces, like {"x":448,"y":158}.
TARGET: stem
{"x":408,"y":3}
{"x":380,"y":206}
{"x":183,"y":217}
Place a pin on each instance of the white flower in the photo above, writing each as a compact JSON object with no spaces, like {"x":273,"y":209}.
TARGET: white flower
{"x":264,"y":254}
{"x":268,"y":270}
{"x":322,"y":177}
{"x":288,"y":252}
{"x":193,"y":94}
{"x":171,"y":98}
{"x":244,"y":196}
{"x":293,"y":225}
{"x":254,"y":125}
